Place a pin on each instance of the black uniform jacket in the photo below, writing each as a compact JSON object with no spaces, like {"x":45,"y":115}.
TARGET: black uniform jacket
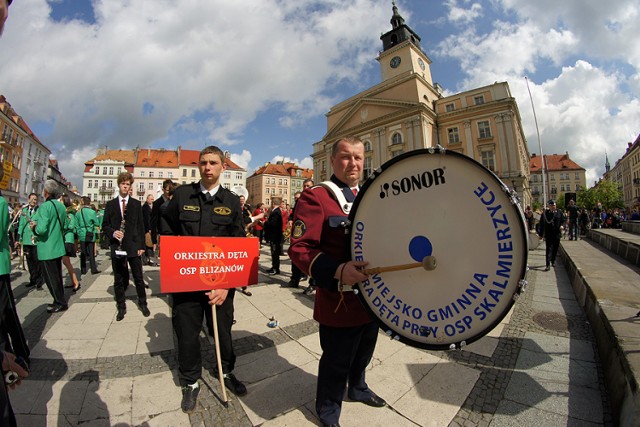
{"x":190,"y":214}
{"x":134,"y":226}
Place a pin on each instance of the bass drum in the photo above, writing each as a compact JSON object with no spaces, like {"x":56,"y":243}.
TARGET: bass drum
{"x":434,"y":205}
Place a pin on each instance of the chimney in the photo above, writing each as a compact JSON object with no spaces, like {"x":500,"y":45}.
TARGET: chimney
{"x":148,"y":152}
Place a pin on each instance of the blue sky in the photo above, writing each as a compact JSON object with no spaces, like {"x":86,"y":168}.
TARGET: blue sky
{"x":256,"y":77}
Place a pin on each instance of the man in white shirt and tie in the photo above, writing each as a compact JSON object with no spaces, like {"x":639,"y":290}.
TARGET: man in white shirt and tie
{"x":124,"y":225}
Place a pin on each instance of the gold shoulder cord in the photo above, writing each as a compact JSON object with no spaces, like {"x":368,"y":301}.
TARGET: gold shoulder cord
{"x":341,"y":290}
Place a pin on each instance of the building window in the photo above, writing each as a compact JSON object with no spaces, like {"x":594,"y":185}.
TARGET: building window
{"x":535,"y":178}
{"x":184,"y":172}
{"x":488,"y":161}
{"x":267,"y":191}
{"x":111,"y":170}
{"x":110,"y":185}
{"x":478,"y":100}
{"x":484,"y":130}
{"x":89,"y":184}
{"x":104,"y":183}
{"x":553,"y":177}
{"x":562,"y":187}
{"x":227,"y":186}
{"x":104,"y":170}
{"x":227,"y":175}
{"x":150,"y":186}
{"x":366,"y":170}
{"x":396,"y":139}
{"x":141,"y":174}
{"x":449,"y":107}
{"x":159,"y":174}
{"x":150,"y":174}
{"x":239,"y":175}
{"x":453,"y":135}
{"x":577,"y":176}
{"x":279,"y":181}
{"x":193,"y":173}
{"x":170,"y":175}
{"x":367,"y":146}
{"x":95,"y":183}
{"x":141,"y":186}
{"x":97,"y":170}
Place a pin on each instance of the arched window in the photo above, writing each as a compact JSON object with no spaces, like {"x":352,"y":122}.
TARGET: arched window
{"x":367,"y":146}
{"x":396,"y":139}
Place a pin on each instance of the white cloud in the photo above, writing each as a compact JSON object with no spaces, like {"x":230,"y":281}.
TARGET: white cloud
{"x":144,"y":66}
{"x":460,"y":14}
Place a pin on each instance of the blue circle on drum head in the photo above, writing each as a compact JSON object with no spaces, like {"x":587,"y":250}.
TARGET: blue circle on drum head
{"x":419,"y":248}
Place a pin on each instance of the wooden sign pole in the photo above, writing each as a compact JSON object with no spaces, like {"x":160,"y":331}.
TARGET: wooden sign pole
{"x":225,"y":400}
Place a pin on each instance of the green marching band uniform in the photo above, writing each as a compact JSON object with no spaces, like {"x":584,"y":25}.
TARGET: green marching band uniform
{"x":50,"y":242}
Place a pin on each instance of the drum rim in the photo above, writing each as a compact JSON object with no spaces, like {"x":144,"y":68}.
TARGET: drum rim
{"x":522,"y":274}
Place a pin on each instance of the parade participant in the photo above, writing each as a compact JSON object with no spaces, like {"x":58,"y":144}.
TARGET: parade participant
{"x":258,"y":224}
{"x":573,"y":212}
{"x":319,"y":248}
{"x":247,"y":221}
{"x":28,"y":242}
{"x":124,"y":226}
{"x":167,"y":188}
{"x":296,"y":273}
{"x":69,"y":231}
{"x":551,"y":222}
{"x":274,"y":234}
{"x":148,"y":240}
{"x":11,"y":334}
{"x":87,"y":225}
{"x":204,"y":208}
{"x":48,"y":227}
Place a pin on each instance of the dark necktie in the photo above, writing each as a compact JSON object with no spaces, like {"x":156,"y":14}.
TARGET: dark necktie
{"x":124,"y":208}
{"x":207,"y":196}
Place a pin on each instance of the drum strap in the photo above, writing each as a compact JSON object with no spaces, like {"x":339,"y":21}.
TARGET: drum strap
{"x":338,"y":195}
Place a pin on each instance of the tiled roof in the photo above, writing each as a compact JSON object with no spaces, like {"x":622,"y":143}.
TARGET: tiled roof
{"x":553,"y":162}
{"x":271,"y":169}
{"x":157,"y":158}
{"x":126,"y":156}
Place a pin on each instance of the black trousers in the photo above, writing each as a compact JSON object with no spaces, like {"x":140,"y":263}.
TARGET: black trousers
{"x":296,"y":274}
{"x":87,"y":251}
{"x":552,"y":244}
{"x":189,"y":310}
{"x":121,"y":278}
{"x":53,"y":278}
{"x":276,"y":249}
{"x":346,"y":353}
{"x":11,"y":333}
{"x":34,"y":266}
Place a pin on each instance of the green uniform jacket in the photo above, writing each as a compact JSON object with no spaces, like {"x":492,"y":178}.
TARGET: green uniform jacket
{"x":70,"y":228}
{"x":24,"y":231}
{"x":5,"y":253}
{"x":86,"y":220}
{"x":50,"y":219}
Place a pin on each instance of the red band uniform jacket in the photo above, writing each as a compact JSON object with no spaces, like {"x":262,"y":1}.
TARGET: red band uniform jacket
{"x":319,"y":244}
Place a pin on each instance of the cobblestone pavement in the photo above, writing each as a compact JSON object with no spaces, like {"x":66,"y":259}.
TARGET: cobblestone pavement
{"x":539,"y":367}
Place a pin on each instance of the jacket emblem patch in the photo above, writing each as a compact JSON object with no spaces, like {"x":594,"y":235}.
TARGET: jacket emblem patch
{"x":191,"y":208}
{"x":222,"y":210}
{"x":299,"y":228}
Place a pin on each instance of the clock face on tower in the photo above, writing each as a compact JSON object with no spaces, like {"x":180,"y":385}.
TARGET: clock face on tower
{"x":421,"y":63}
{"x":395,"y":62}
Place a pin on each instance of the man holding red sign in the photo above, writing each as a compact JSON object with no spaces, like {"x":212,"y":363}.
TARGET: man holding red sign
{"x":204,"y":209}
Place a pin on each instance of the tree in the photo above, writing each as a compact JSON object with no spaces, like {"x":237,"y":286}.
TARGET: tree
{"x":605,"y":192}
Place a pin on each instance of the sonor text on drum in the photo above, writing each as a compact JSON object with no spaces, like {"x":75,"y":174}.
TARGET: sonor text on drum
{"x":407,"y":184}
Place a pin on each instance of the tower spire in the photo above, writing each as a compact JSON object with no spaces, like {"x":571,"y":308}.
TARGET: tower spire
{"x":607,"y":165}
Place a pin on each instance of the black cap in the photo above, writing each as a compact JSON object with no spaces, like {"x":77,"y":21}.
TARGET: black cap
{"x":551,"y":202}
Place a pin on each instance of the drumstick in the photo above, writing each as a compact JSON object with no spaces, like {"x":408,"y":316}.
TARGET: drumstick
{"x":428,"y":263}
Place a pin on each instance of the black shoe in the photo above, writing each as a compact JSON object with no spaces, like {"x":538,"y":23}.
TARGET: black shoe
{"x":121,"y":313}
{"x":546,"y":268}
{"x":309,"y":290}
{"x":77,"y":289}
{"x":235,"y":386}
{"x":96,"y":272}
{"x":83,"y":271}
{"x":189,"y":398}
{"x":273,"y":272}
{"x":145,"y":310}
{"x":245,"y":291}
{"x":373,"y":400}
{"x":57,"y":308}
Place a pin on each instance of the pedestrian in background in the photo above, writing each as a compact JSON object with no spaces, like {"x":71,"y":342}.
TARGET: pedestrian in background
{"x":87,"y":227}
{"x":28,"y":242}
{"x":273,"y":230}
{"x":69,"y":231}
{"x":552,"y":221}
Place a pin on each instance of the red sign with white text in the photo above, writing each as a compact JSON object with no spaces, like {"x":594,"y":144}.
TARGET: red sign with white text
{"x":199,"y":263}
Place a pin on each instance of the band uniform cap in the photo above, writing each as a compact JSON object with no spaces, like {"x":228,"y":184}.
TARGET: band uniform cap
{"x":551,"y":202}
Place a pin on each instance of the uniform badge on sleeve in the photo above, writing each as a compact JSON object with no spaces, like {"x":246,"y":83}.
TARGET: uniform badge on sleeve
{"x":299,"y":228}
{"x":222,"y":210}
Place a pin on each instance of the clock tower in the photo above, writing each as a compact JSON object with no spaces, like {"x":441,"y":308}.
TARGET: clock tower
{"x":401,"y":51}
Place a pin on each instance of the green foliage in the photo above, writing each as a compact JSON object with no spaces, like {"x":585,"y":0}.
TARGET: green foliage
{"x":605,"y":192}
